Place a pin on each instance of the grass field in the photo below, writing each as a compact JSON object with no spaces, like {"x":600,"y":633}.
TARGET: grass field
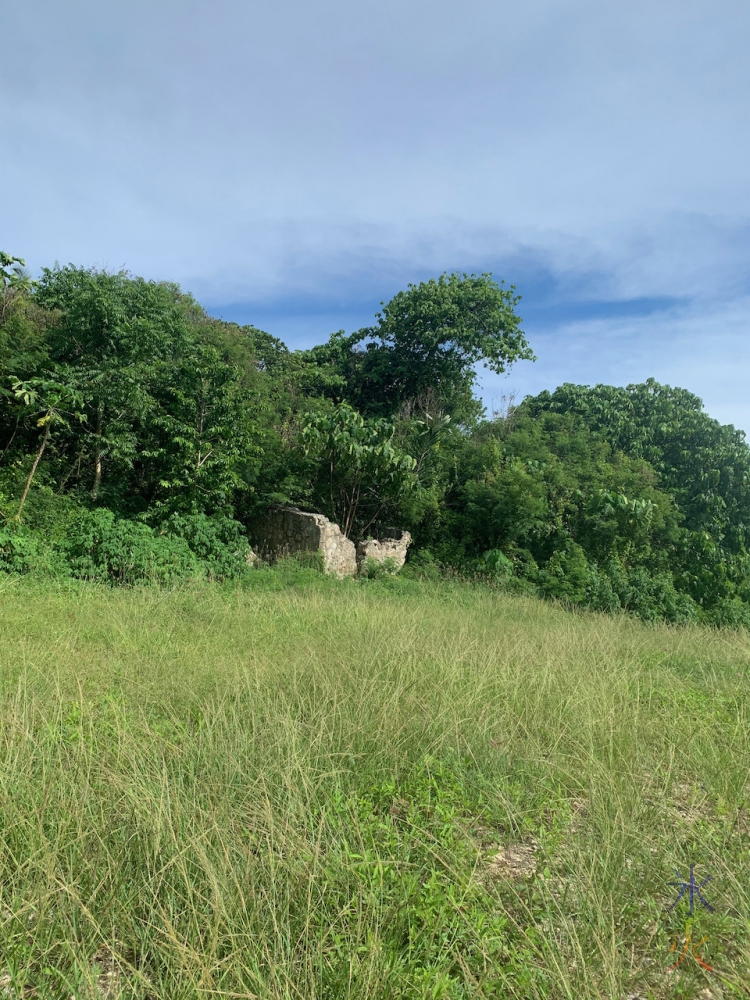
{"x":301,"y":788}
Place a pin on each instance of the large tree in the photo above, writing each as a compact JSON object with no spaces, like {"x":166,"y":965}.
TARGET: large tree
{"x":426,"y":344}
{"x":704,"y":465}
{"x":359,"y":473}
{"x":168,"y":420}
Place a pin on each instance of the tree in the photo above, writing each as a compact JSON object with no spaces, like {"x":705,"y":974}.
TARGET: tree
{"x":54,"y":403}
{"x":704,"y":465}
{"x":14,"y":280}
{"x":428,"y":340}
{"x":200,"y":428}
{"x":361,"y":471}
{"x":169,"y":418}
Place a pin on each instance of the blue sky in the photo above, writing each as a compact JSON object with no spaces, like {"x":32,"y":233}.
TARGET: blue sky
{"x":293,"y":164}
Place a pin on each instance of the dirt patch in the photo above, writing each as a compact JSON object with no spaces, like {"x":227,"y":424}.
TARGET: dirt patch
{"x":6,"y":986}
{"x":578,"y":810}
{"x":110,"y":980}
{"x":514,"y":861}
{"x":399,"y":809}
{"x":742,"y":821}
{"x":8,"y":990}
{"x":690,"y":803}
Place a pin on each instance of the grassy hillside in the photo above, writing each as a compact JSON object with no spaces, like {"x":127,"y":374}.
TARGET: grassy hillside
{"x":301,"y":788}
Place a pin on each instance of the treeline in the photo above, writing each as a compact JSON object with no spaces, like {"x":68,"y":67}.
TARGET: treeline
{"x":140,"y":436}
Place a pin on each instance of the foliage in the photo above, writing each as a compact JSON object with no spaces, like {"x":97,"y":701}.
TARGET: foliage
{"x":96,"y":545}
{"x":168,"y":421}
{"x":704,"y":466}
{"x":219,"y":543}
{"x":497,"y":564}
{"x":362,"y":474}
{"x":13,"y":272}
{"x":376,"y":569}
{"x":23,"y":551}
{"x":100,"y":546}
{"x":428,"y":340}
{"x":162,"y":431}
{"x":15,"y":281}
{"x":113,"y":550}
{"x":52,"y":403}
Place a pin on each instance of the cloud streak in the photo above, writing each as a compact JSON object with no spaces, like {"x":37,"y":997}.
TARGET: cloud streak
{"x":293,"y":164}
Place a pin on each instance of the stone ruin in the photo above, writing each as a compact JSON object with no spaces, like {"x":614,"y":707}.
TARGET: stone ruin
{"x":288,"y":531}
{"x":391,"y":546}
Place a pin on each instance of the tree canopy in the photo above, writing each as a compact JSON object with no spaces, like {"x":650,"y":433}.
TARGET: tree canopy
{"x":426,"y":343}
{"x":139,"y":435}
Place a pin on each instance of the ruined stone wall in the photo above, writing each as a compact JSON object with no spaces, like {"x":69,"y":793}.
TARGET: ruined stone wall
{"x":286,"y":531}
{"x":392,"y":546}
{"x":339,"y":553}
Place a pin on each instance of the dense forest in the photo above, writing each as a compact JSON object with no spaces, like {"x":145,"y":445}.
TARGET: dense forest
{"x":139,"y":437}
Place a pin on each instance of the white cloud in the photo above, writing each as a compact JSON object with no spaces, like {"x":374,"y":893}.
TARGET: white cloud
{"x":704,"y":348}
{"x":328,"y":153}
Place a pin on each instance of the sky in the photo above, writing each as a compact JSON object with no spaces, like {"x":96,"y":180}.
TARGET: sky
{"x":293,"y":164}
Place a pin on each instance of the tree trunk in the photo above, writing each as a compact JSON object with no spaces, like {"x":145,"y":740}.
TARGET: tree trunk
{"x":5,"y":450}
{"x":77,"y":462}
{"x":352,"y":505}
{"x":98,"y":453}
{"x":39,"y":454}
{"x":199,"y":429}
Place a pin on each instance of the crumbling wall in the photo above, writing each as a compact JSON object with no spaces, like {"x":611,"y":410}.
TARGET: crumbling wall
{"x":392,"y":546}
{"x":286,"y":531}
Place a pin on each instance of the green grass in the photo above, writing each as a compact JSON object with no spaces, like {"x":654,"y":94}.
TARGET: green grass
{"x":296,"y":788}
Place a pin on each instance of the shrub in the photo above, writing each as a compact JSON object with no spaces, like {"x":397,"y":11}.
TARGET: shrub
{"x":654,"y":597}
{"x":567,"y":575}
{"x":219,"y":543}
{"x":731,"y":612}
{"x":421,"y":565}
{"x":497,"y":564}
{"x":103,"y":547}
{"x":21,"y":551}
{"x":650,"y":596}
{"x":375,"y":569}
{"x":602,"y":593}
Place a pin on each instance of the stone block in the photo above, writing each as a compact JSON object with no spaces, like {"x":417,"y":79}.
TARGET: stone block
{"x":391,"y":546}
{"x":287,"y":531}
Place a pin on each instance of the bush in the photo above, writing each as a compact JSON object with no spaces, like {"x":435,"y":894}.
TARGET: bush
{"x":218,"y":542}
{"x":650,"y":596}
{"x":731,"y":612}
{"x":567,"y":575}
{"x":497,"y":564}
{"x":602,"y":593}
{"x":21,"y":551}
{"x":654,"y":597}
{"x":421,"y":565}
{"x":375,"y":569}
{"x":103,"y":547}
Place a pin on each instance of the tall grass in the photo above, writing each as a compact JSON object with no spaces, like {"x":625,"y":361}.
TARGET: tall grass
{"x":302,"y":788}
